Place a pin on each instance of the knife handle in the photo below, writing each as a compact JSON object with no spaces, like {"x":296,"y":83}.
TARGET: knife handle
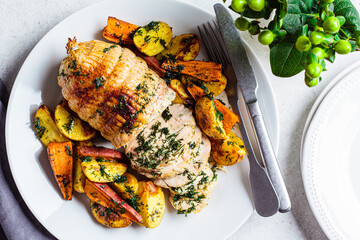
{"x":269,"y":157}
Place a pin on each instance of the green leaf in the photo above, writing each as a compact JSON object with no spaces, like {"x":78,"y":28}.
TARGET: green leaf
{"x":265,"y":13}
{"x":285,"y":59}
{"x":312,"y":58}
{"x":346,"y":9}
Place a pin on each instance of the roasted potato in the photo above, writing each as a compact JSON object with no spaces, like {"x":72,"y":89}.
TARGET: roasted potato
{"x":229,"y":151}
{"x":45,"y":127}
{"x":151,"y":203}
{"x":126,"y":185}
{"x":109,"y":216}
{"x":214,"y":88}
{"x":209,"y":118}
{"x":61,"y":161}
{"x":183,"y":47}
{"x":102,"y":170}
{"x":152,"y":38}
{"x":182,"y":96}
{"x":71,"y":126}
{"x":79,"y":176}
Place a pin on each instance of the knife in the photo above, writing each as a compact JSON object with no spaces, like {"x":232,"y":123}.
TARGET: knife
{"x":248,"y":85}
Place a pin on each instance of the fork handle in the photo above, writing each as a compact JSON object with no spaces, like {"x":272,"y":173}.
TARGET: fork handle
{"x":269,"y":157}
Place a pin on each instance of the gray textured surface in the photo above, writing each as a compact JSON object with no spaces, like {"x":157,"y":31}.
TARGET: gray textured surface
{"x":23,"y":23}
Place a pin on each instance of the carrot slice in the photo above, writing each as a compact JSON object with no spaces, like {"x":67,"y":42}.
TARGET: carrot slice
{"x":102,"y":194}
{"x":61,"y":160}
{"x":100,"y":152}
{"x":204,"y":71}
{"x":119,"y":31}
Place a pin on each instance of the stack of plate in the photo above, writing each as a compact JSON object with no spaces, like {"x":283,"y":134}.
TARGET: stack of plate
{"x":330,"y":157}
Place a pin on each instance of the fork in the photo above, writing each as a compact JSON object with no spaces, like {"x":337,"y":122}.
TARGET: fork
{"x":264,"y":195}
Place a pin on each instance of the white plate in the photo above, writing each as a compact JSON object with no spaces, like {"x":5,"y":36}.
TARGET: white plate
{"x":36,"y":83}
{"x":330,"y":159}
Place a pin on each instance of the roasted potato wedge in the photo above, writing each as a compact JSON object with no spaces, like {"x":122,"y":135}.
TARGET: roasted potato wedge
{"x":70,"y":125}
{"x":203,"y":71}
{"x":119,"y":31}
{"x":151,"y":203}
{"x":126,"y":185}
{"x":152,"y":38}
{"x":229,"y":151}
{"x":209,"y":118}
{"x":183,"y":47}
{"x":79,"y":176}
{"x":109,"y":217}
{"x":61,"y":161}
{"x":102,"y":170}
{"x":182,"y":96}
{"x":102,"y":194}
{"x":45,"y":127}
{"x":214,"y":88}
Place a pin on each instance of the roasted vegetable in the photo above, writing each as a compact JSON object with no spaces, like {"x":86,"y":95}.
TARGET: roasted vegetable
{"x":152,"y":38}
{"x":102,"y":194}
{"x":61,"y":160}
{"x":204,"y":71}
{"x":119,"y":31}
{"x":101,"y":169}
{"x":229,"y":117}
{"x":183,"y":47}
{"x":182,"y":96}
{"x":214,"y":88}
{"x":109,"y":217}
{"x":102,"y":152}
{"x":45,"y":127}
{"x":151,"y":203}
{"x":70,"y":125}
{"x":209,"y":118}
{"x":229,"y":151}
{"x":126,"y":185}
{"x":79,"y":176}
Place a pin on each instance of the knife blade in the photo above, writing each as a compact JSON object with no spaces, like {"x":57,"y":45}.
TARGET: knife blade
{"x":248,"y":84}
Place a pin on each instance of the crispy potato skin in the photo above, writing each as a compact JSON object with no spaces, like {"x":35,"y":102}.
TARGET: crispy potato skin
{"x":70,"y":125}
{"x":229,"y":151}
{"x":209,"y":118}
{"x":45,"y":127}
{"x":153,"y":38}
{"x":127,"y":187}
{"x":109,"y":216}
{"x":61,"y":161}
{"x":183,"y":47}
{"x":102,"y":170}
{"x":151,"y":203}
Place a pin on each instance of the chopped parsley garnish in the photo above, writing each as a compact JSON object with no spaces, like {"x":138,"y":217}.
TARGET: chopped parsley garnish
{"x":108,"y":49}
{"x":69,"y":125}
{"x":86,"y":159}
{"x":120,"y":179}
{"x":166,"y":115}
{"x":40,"y":130}
{"x":99,"y":82}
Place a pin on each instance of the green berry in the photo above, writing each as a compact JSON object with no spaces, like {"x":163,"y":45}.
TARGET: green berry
{"x":257,"y":5}
{"x":254,"y":28}
{"x":242,"y":24}
{"x":319,"y":52}
{"x":316,"y":37}
{"x":266,"y":37}
{"x":331,"y":25}
{"x":313,"y":70}
{"x":239,"y":5}
{"x":327,"y":1}
{"x":311,"y":82}
{"x":303,"y":44}
{"x":342,"y":47}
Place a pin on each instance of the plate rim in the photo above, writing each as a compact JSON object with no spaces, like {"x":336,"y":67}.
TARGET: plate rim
{"x":306,"y":163}
{"x":34,"y":49}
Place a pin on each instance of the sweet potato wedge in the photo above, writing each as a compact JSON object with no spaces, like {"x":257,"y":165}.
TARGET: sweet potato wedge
{"x":102,"y":194}
{"x":102,"y":170}
{"x":61,"y":160}
{"x":79,"y":176}
{"x":109,"y":216}
{"x":214,"y":88}
{"x":152,"y":38}
{"x":183,"y":47}
{"x":102,"y":152}
{"x":204,"y":71}
{"x":45,"y":127}
{"x":119,"y":31}
{"x":229,"y":117}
